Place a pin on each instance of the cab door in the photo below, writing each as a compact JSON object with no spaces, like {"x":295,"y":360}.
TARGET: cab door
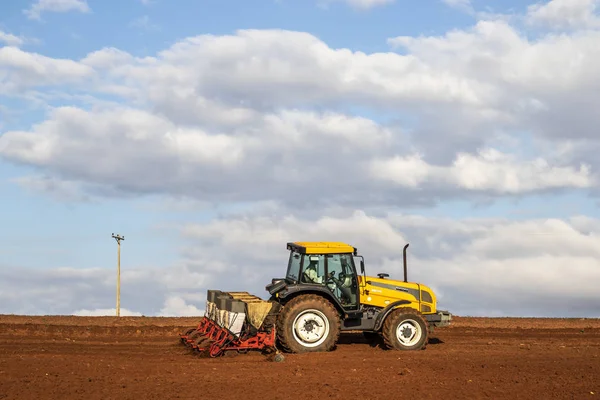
{"x":342,"y":279}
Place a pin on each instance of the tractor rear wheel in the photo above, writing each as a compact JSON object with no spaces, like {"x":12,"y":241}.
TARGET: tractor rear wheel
{"x":405,"y":329}
{"x":308,"y":323}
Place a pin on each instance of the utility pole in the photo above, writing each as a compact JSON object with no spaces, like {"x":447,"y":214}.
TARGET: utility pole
{"x":118,"y":238}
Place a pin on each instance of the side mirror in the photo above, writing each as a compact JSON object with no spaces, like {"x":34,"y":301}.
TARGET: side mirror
{"x":362,"y":266}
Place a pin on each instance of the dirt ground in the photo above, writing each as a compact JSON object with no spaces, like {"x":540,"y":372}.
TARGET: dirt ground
{"x":141,"y":358}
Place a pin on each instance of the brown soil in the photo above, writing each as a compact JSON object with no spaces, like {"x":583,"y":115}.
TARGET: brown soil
{"x":141,"y":358}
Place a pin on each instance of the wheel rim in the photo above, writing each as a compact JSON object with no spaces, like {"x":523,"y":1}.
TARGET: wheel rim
{"x":409,"y":332}
{"x":310,"y":328}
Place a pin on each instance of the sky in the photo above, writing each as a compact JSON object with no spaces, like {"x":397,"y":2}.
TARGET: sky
{"x":211,"y":133}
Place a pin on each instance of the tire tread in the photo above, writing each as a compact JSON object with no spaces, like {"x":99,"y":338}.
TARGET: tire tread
{"x":388,"y":332}
{"x":284,"y":320}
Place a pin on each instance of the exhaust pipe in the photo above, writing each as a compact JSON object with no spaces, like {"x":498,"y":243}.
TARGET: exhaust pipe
{"x":404,"y":254}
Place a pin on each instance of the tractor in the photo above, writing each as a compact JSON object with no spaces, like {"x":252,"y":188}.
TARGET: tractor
{"x":321,"y":295}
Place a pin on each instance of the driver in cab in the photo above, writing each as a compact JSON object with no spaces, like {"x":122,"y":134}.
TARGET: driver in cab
{"x":310,"y":273}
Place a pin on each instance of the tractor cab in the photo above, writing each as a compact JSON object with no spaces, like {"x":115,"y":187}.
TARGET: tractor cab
{"x":322,"y":267}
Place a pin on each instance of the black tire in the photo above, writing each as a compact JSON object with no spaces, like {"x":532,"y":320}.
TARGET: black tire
{"x":313,"y":308}
{"x":410,"y":321}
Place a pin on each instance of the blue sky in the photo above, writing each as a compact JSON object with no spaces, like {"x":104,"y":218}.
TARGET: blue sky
{"x":74,"y":35}
{"x":438,"y":99}
{"x":123,"y":24}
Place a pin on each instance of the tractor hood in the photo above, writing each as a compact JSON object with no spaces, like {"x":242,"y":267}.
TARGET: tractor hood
{"x":380,"y":292}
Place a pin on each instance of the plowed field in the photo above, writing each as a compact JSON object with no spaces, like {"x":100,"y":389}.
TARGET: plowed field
{"x":141,"y":358}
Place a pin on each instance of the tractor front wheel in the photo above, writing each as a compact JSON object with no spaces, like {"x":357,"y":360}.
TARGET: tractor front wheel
{"x":405,"y":329}
{"x":308,"y":323}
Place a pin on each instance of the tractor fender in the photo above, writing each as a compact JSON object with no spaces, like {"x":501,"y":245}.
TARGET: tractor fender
{"x":292,"y":291}
{"x":384,"y":313}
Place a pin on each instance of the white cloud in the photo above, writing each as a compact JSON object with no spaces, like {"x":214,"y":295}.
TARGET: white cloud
{"x":20,"y":70}
{"x":366,"y":4}
{"x":274,"y":149}
{"x":493,"y":51}
{"x":543,"y":87}
{"x":107,"y":58}
{"x":10,"y":39}
{"x":106,"y":312}
{"x":177,"y":307}
{"x":236,"y":156}
{"x":564,"y":14}
{"x":460,"y":4}
{"x":488,"y":171}
{"x":174,"y":306}
{"x":57,"y":6}
{"x":177,"y":289}
{"x":240,"y":106}
{"x":468,"y":86}
{"x":358,"y":4}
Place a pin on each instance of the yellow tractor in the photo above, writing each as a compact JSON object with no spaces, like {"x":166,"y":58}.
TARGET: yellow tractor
{"x":322,"y":294}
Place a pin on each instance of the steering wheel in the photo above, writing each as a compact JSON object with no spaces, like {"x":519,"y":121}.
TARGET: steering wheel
{"x":339,"y":283}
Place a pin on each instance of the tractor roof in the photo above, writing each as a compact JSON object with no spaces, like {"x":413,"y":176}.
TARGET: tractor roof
{"x":321,"y":247}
